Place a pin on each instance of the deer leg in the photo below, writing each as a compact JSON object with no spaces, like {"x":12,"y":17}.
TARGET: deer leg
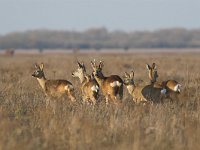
{"x":53,"y":105}
{"x":70,"y":93}
{"x":107,"y":97}
{"x":114,"y":99}
{"x":95,"y":96}
{"x":177,"y":100}
{"x":174,"y":97}
{"x":54,"y":108}
{"x":93,"y":99}
{"x":135,"y":101}
{"x":121,"y":92}
{"x":84,"y":99}
{"x":47,"y":102}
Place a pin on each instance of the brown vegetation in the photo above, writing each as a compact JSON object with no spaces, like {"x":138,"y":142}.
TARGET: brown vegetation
{"x":25,"y":123}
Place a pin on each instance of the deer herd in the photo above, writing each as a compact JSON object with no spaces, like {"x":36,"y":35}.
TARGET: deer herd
{"x":110,"y":86}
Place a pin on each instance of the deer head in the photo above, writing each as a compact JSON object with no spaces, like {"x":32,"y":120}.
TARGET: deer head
{"x":129,"y":78}
{"x":152,"y":71}
{"x":81,"y":71}
{"x":38,"y":73}
{"x":97,"y":69}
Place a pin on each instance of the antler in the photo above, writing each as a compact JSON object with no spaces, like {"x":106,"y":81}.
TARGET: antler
{"x":93,"y":64}
{"x":83,"y":66}
{"x":132,"y":74}
{"x":148,"y":66}
{"x":126,"y":75}
{"x":154,"y":66}
{"x":101,"y":64}
{"x":41,"y":66}
{"x":37,"y":66}
{"x":79,"y":65}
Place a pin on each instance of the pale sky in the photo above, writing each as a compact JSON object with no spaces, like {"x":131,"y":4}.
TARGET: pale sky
{"x":127,"y":15}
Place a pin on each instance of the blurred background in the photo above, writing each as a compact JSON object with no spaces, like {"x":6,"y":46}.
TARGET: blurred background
{"x":71,"y":25}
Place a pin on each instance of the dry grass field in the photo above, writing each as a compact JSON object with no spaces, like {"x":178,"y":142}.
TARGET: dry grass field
{"x":25,"y":123}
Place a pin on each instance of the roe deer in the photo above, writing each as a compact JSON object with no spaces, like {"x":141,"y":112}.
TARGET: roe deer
{"x":53,"y":88}
{"x":170,"y":85}
{"x":89,"y":87}
{"x":111,"y":86}
{"x":147,"y":93}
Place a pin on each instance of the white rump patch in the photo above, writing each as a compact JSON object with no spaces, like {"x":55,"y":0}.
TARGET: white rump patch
{"x":95,"y":88}
{"x":163,"y":91}
{"x":115,"y":83}
{"x":177,"y":88}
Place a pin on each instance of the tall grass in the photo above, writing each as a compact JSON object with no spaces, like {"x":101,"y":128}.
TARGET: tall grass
{"x":25,"y":123}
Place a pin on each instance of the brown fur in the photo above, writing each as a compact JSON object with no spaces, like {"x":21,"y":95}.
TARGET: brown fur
{"x":169,"y":84}
{"x":87,"y":84}
{"x":147,"y":93}
{"x":57,"y":88}
{"x":53,"y":88}
{"x":111,"y":86}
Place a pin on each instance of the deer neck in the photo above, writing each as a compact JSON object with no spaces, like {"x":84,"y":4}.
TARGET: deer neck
{"x":151,"y":82}
{"x":100,"y":81}
{"x":157,"y":84}
{"x":82,"y":78}
{"x":42,"y":82}
{"x":131,"y":88}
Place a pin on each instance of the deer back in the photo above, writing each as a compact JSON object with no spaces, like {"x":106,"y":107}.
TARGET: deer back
{"x":152,"y":93}
{"x":57,"y":88}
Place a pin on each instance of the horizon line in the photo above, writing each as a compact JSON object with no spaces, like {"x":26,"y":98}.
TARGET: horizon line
{"x":98,"y":28}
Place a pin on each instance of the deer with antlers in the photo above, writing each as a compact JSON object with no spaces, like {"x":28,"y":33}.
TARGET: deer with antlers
{"x":53,"y":88}
{"x":111,"y":86}
{"x":89,"y":87}
{"x":143,"y":94}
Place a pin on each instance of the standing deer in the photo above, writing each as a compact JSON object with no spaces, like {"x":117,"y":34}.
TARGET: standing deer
{"x":111,"y":86}
{"x":170,"y":85}
{"x":53,"y":88}
{"x":147,"y":93}
{"x":89,"y":87}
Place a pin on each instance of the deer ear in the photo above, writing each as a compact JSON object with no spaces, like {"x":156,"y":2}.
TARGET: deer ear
{"x":83,"y":66}
{"x":148,"y":67}
{"x":92,"y":64}
{"x":154,"y":66}
{"x":41,"y":66}
{"x":126,"y":75}
{"x":79,"y":65}
{"x":36,"y":66}
{"x":132,"y":74}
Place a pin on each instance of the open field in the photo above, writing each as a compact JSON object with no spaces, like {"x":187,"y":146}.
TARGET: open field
{"x":25,"y":123}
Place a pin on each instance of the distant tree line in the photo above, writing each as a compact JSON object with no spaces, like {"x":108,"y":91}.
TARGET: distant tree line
{"x":101,"y":38}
